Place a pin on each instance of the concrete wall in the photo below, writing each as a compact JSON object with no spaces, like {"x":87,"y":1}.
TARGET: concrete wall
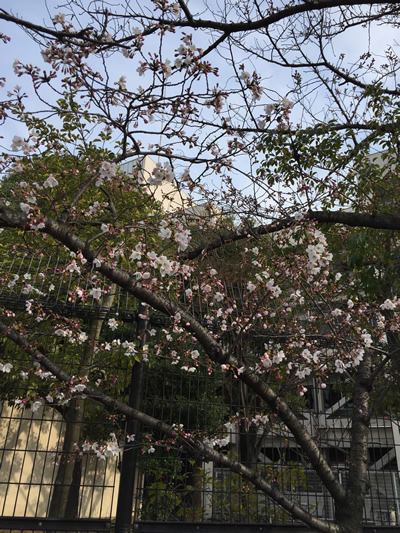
{"x":28,"y":467}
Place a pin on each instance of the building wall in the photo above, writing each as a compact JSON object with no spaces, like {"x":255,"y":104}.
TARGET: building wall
{"x":168,"y":194}
{"x":29,"y":464}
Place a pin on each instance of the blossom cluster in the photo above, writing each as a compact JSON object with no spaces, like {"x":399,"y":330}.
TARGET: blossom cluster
{"x":390,"y":305}
{"x":18,"y":143}
{"x":107,"y":170}
{"x":6,"y":367}
{"x":73,"y":336}
{"x":185,"y":52}
{"x":103,"y":451}
{"x":252,"y":82}
{"x":218,"y":441}
{"x":166,"y":266}
{"x":318,"y":255}
{"x":161,"y":173}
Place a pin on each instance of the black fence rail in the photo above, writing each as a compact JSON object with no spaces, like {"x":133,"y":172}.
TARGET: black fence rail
{"x":27,"y":524}
{"x":31,"y":525}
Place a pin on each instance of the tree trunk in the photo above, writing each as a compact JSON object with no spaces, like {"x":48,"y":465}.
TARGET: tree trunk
{"x":65,"y":474}
{"x":198,"y":487}
{"x":248,"y":439}
{"x":65,"y":498}
{"x":349,"y":511}
{"x":72,"y":510}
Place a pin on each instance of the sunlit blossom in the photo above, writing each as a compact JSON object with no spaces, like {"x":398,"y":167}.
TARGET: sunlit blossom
{"x":50,"y":182}
{"x":112,"y":324}
{"x":96,"y":293}
{"x":6,"y":368}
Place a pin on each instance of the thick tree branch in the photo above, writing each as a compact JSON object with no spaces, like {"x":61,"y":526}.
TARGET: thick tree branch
{"x":64,"y":235}
{"x":225,"y":27}
{"x":363,"y":220}
{"x":186,"y":10}
{"x":286,"y":12}
{"x":43,"y":30}
{"x":194,"y":446}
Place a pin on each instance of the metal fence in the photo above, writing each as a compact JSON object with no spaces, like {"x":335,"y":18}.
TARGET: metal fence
{"x":61,"y":467}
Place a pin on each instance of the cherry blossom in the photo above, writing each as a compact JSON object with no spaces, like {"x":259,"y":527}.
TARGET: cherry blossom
{"x":112,"y":324}
{"x":389,"y":305}
{"x":50,"y":182}
{"x":108,"y":169}
{"x":96,"y":293}
{"x":6,"y":368}
{"x":161,"y":173}
{"x":59,"y":18}
{"x":165,"y":233}
{"x":18,"y":143}
{"x":251,"y":286}
{"x":35,"y":406}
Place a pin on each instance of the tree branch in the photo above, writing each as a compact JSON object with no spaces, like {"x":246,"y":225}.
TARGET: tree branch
{"x":364,"y":220}
{"x":194,"y":446}
{"x":286,"y":12}
{"x":59,"y":35}
{"x":225,"y":27}
{"x":214,"y":350}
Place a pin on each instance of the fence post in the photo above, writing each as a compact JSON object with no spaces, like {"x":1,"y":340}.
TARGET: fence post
{"x":129,"y":457}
